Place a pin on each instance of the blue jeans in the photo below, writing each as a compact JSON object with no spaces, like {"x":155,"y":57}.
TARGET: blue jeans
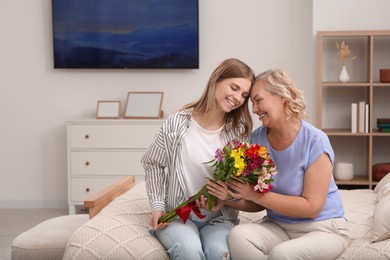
{"x":195,"y":240}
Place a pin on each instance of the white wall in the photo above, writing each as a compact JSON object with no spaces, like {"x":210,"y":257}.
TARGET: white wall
{"x":329,"y":15}
{"x":36,"y":100}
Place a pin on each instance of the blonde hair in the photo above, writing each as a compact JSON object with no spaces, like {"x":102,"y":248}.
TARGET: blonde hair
{"x":238,"y":120}
{"x":279,"y":83}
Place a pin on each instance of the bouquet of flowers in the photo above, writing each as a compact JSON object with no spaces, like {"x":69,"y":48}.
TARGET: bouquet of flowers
{"x":248,"y":162}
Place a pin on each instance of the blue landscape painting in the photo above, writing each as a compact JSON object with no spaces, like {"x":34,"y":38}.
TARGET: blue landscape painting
{"x":125,"y":33}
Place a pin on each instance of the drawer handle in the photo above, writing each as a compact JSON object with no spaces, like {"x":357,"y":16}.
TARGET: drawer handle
{"x":87,"y":163}
{"x":86,"y":136}
{"x":87,"y":189}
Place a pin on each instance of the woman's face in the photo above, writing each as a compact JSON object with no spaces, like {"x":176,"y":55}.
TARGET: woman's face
{"x":231,"y":93}
{"x":268,"y":106}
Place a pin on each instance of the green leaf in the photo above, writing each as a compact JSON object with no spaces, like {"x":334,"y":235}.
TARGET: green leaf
{"x":211,"y":201}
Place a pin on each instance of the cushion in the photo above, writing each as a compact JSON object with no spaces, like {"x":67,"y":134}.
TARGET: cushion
{"x":383,"y":192}
{"x":382,"y":182}
{"x":48,"y":239}
{"x":359,"y":207}
{"x":381,"y":226}
{"x":379,"y":170}
{"x":119,"y":231}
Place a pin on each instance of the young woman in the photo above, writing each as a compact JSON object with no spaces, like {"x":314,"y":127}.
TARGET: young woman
{"x":305,"y":215}
{"x":174,"y":162}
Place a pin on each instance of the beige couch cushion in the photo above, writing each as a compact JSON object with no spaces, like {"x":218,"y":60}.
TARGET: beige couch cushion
{"x":381,"y":226}
{"x":382,"y":183}
{"x":383,"y":192}
{"x":48,"y":239}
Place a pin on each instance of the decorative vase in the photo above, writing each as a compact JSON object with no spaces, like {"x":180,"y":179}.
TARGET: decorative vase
{"x":344,"y":171}
{"x":344,"y":76}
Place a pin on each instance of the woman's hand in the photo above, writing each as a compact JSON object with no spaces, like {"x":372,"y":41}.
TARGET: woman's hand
{"x":241,"y":190}
{"x":219,"y":190}
{"x":202,"y":203}
{"x":154,"y":220}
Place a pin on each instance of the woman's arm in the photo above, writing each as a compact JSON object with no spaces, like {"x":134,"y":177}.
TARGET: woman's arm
{"x":308,"y":205}
{"x":154,"y":163}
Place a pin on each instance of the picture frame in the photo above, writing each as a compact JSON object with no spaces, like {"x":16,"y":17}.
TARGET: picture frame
{"x":144,"y":105}
{"x":108,"y":109}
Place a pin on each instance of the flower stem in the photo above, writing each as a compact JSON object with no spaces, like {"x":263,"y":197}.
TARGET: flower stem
{"x":171,"y":215}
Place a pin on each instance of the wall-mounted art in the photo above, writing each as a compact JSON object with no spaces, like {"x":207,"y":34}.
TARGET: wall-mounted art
{"x":125,"y":34}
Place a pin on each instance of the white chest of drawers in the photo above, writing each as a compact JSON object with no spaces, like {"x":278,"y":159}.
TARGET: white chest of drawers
{"x":102,"y":151}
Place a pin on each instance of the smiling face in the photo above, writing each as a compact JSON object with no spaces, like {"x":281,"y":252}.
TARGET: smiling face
{"x":268,"y":106}
{"x":231,"y":93}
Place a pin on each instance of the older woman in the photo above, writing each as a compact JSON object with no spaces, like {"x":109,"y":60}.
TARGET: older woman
{"x":305,"y":214}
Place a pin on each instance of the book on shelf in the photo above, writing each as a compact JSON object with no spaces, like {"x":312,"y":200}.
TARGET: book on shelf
{"x":360,"y":113}
{"x":354,"y":118}
{"x":383,"y":125}
{"x":366,"y":118}
{"x":383,"y":121}
{"x":384,"y":130}
{"x":361,"y":107}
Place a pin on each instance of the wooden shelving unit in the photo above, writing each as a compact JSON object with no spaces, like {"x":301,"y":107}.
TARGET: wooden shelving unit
{"x":334,"y":99}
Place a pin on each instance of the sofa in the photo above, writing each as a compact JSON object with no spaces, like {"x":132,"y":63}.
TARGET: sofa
{"x":117,"y":227}
{"x":120,"y":230}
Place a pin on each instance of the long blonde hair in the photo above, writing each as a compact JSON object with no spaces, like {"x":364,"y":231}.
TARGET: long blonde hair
{"x":278,"y":82}
{"x":238,"y":120}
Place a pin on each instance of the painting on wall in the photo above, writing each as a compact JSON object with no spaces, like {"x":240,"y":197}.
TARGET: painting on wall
{"x":125,"y":34}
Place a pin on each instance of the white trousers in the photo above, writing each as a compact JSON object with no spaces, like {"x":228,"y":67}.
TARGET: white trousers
{"x":271,"y":240}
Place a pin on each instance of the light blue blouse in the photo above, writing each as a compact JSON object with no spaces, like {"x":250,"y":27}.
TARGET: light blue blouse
{"x":291,"y":165}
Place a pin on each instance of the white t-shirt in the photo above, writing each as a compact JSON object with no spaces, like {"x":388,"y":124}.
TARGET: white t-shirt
{"x":199,"y":146}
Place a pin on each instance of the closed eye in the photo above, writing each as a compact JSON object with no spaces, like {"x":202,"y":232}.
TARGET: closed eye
{"x":258,"y":100}
{"x":236,"y":88}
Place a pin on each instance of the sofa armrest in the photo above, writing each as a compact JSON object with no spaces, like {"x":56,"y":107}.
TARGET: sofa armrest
{"x":97,"y":202}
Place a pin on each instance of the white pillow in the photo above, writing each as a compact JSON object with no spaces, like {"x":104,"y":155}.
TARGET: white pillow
{"x":382,"y":182}
{"x":383,"y":192}
{"x":381,"y":227}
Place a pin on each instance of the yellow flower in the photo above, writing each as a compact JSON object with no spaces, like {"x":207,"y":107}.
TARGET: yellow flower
{"x":263,"y":152}
{"x":239,"y":164}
